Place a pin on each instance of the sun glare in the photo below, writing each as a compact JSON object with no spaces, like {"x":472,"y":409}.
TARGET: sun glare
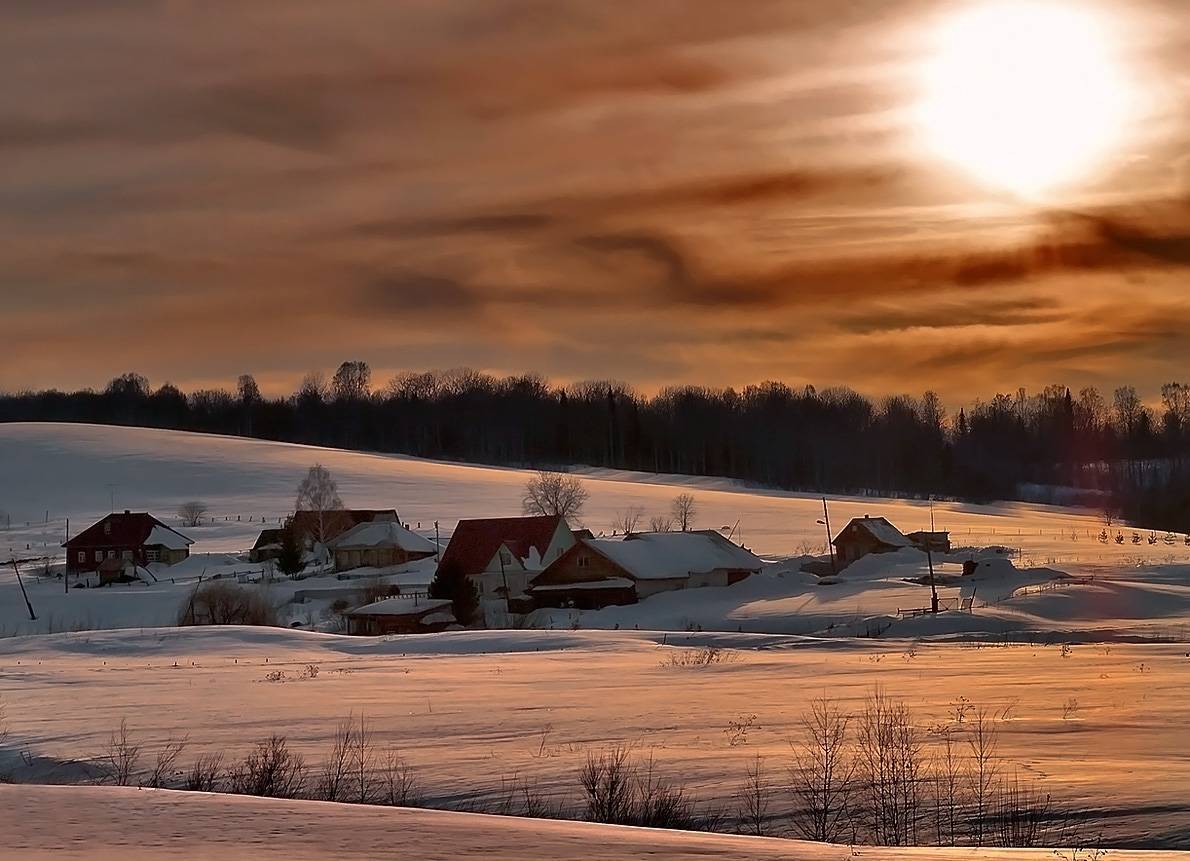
{"x":1026,"y":95}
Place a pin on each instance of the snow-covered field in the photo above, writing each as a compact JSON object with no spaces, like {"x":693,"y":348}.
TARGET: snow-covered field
{"x":470,"y":710}
{"x":50,"y":472}
{"x":187,"y":826}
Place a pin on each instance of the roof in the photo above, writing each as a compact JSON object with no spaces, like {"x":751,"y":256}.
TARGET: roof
{"x":384,"y":533}
{"x":130,"y":529}
{"x":402,"y":606}
{"x":475,"y":542}
{"x":670,"y":555}
{"x":607,"y":583}
{"x":340,"y":520}
{"x":268,"y":538}
{"x":879,"y":528}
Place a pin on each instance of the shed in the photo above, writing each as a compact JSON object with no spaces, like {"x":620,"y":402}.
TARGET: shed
{"x":401,"y":615}
{"x":378,"y":544}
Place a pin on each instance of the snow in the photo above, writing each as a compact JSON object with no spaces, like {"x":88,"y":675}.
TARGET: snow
{"x":467,"y":709}
{"x":384,"y":533}
{"x":126,"y":824}
{"x":668,"y":555}
{"x":606,"y":583}
{"x":400,"y":606}
{"x":163,"y":536}
{"x":883,"y":531}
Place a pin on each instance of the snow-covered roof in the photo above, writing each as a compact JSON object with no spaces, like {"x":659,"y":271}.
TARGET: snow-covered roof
{"x":608,"y":583}
{"x":402,"y":606}
{"x":880,"y":529}
{"x":671,"y":555}
{"x":384,"y":533}
{"x":163,"y":536}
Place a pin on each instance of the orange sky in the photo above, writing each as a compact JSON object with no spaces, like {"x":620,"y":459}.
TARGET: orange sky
{"x":663,"y":191}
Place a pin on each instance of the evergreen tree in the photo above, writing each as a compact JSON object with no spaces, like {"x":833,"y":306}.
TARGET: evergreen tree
{"x":451,"y":583}
{"x":289,"y":562}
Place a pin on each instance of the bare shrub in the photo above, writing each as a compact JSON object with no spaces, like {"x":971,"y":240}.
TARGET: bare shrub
{"x":220,"y":602}
{"x":823,"y":774}
{"x":608,"y":781}
{"x":205,"y":773}
{"x":948,"y":788}
{"x":703,"y":657}
{"x":754,"y":797}
{"x":554,"y":493}
{"x":374,"y":591}
{"x":363,"y":761}
{"x":661,"y":523}
{"x":120,"y":757}
{"x":167,"y":757}
{"x":659,"y":803}
{"x":271,"y":770}
{"x":1023,"y":815}
{"x":191,"y":513}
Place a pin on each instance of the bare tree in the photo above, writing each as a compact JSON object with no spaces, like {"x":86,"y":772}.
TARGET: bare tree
{"x":683,"y":509}
{"x":120,"y":757}
{"x":890,"y":764}
{"x":398,"y":783}
{"x":191,"y":513}
{"x":335,"y":770}
{"x":352,"y":382}
{"x":319,"y":493}
{"x":661,"y":523}
{"x":363,"y":761}
{"x":754,"y":797}
{"x":554,"y":493}
{"x":627,"y":520}
{"x":824,"y":773}
{"x":984,"y":770}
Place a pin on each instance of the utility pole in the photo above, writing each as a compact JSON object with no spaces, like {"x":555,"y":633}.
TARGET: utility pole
{"x":826,"y":520}
{"x":933,"y":587}
{"x":66,"y":570}
{"x":437,"y":544}
{"x":21,"y":583}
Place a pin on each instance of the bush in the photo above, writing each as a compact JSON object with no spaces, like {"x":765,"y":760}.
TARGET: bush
{"x":271,"y":770}
{"x":226,"y":603}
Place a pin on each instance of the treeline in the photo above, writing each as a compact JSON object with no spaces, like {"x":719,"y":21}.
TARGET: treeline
{"x":1111,"y":446}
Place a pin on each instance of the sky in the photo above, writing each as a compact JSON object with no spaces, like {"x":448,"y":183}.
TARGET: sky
{"x":660,"y":191}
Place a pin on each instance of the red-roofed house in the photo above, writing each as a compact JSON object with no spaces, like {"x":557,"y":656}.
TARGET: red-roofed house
{"x":500,"y":553}
{"x":133,"y":536}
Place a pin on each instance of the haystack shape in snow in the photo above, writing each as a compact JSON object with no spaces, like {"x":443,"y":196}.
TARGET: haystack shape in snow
{"x":400,"y":615}
{"x":600,"y":572}
{"x":378,"y":544}
{"x":865,"y":535}
{"x":133,"y":536}
{"x":500,"y":553}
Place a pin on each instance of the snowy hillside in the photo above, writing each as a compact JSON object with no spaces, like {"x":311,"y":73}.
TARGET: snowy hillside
{"x":194,"y":827}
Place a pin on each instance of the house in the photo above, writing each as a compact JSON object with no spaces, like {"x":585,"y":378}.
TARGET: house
{"x":864,"y":535}
{"x":267,"y":546}
{"x":326,"y":526}
{"x":501,"y":553}
{"x":400,"y":615}
{"x":934,"y":542}
{"x":377,"y":544}
{"x":599,"y":572}
{"x":134,"y":536}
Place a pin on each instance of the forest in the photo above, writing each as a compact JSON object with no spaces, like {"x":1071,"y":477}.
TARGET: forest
{"x":1110,"y":450}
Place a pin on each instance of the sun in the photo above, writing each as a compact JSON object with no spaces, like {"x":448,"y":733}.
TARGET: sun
{"x":1025,"y":95}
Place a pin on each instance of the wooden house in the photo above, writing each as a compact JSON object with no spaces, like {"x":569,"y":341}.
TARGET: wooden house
{"x":865,"y":535}
{"x":400,"y":615}
{"x":378,"y":544}
{"x":132,"y":536}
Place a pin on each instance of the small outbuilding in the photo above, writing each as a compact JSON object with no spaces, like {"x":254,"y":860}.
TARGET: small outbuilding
{"x":401,"y":615}
{"x":866,"y":535}
{"x":267,"y":546}
{"x":378,"y":544}
{"x":933,"y":541}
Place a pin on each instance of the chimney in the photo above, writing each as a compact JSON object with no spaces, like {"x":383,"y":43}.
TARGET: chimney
{"x":127,"y":511}
{"x":867,"y":517}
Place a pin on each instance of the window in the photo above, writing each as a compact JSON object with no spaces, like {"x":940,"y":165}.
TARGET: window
{"x":126,"y":554}
{"x":505,"y":556}
{"x":82,"y":556}
{"x":107,"y":528}
{"x":151,"y":556}
{"x":584,"y":562}
{"x":98,"y":556}
{"x":111,"y":554}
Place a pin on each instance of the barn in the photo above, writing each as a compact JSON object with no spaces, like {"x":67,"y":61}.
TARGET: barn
{"x":133,"y":536}
{"x":400,"y":615}
{"x":600,"y":572}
